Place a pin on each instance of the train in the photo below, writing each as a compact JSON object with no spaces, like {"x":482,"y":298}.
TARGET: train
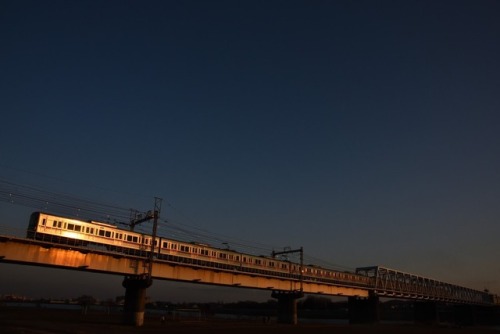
{"x":75,"y":232}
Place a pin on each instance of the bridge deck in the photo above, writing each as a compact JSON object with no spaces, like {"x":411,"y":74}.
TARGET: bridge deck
{"x":40,"y":253}
{"x":384,"y":282}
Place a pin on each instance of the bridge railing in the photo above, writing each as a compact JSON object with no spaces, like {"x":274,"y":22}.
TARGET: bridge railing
{"x":393,"y":283}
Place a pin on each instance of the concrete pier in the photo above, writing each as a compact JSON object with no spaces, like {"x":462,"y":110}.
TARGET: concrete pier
{"x":287,"y":305}
{"x":135,"y":299}
{"x":364,"y":310}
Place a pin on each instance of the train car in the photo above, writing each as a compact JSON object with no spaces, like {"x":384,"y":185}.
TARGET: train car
{"x":57,"y":229}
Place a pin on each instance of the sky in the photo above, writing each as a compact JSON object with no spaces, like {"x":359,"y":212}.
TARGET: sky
{"x":364,"y":131}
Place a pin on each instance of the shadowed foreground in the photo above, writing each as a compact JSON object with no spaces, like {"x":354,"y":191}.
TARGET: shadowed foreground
{"x":45,"y":321}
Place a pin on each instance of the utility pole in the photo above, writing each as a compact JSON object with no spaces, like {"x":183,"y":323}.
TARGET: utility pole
{"x":156,"y":216}
{"x":136,"y":285}
{"x":287,"y":300}
{"x":138,"y":219}
{"x":301,"y":269}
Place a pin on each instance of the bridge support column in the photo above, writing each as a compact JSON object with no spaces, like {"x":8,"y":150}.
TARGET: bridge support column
{"x":464,"y":315}
{"x":364,"y":310}
{"x":135,"y":299}
{"x":287,"y":305}
{"x":425,"y":312}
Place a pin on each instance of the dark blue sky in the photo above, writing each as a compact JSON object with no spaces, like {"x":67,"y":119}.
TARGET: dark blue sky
{"x":365,"y":131}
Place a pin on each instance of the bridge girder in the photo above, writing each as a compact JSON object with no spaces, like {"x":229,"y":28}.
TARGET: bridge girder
{"x":38,"y":253}
{"x":394,"y":283}
{"x":386,"y":282}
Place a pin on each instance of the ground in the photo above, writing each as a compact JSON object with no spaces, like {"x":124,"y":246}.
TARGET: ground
{"x":47,"y":321}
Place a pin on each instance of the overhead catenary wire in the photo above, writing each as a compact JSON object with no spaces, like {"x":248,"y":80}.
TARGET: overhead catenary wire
{"x":44,"y":200}
{"x":73,"y":206}
{"x":223,"y":238}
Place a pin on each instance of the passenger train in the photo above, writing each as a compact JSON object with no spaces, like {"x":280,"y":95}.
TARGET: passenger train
{"x":57,"y":229}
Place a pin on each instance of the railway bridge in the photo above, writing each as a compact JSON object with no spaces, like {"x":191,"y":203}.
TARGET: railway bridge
{"x":363,"y":298}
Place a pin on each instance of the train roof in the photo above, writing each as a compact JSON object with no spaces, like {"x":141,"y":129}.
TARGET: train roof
{"x":74,"y":218}
{"x":102,"y":224}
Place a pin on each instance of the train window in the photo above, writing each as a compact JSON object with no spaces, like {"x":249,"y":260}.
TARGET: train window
{"x":244,"y":259}
{"x":184,"y":248}
{"x":119,"y":236}
{"x":101,"y":233}
{"x":195,"y":250}
{"x":222,"y":255}
{"x":43,"y":221}
{"x":257,"y":261}
{"x":165,"y":244}
{"x":271,"y":264}
{"x":174,"y":246}
{"x":214,"y":254}
{"x":237,"y":258}
{"x":78,"y":228}
{"x":71,"y":227}
{"x":91,"y":230}
{"x":135,"y":239}
{"x":204,"y":252}
{"x":156,"y":243}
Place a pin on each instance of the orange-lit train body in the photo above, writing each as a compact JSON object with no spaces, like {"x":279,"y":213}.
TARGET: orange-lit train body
{"x":57,"y":229}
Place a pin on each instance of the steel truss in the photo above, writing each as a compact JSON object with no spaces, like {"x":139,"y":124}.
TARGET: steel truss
{"x":397,"y":284}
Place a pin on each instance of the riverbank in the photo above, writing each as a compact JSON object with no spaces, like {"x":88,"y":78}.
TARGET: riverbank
{"x":44,"y":321}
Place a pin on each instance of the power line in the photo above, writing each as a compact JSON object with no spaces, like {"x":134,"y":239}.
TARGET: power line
{"x":70,"y":205}
{"x":44,"y":200}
